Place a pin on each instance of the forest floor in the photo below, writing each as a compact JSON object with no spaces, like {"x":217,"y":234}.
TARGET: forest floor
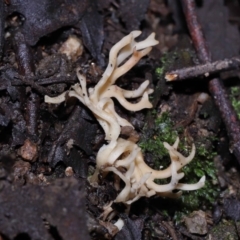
{"x":48,"y":151}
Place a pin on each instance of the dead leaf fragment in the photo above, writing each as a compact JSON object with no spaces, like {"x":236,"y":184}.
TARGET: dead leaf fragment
{"x":29,"y":151}
{"x":196,"y":222}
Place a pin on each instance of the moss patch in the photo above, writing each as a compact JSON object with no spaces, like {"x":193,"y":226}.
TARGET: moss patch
{"x":225,"y":230}
{"x":152,"y":140}
{"x":152,"y":145}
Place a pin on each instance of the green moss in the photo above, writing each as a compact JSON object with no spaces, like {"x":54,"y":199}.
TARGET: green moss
{"x":234,"y":96}
{"x":225,"y":230}
{"x":152,"y":140}
{"x":160,"y":71}
{"x":167,"y":60}
{"x":202,"y":164}
{"x":175,"y":59}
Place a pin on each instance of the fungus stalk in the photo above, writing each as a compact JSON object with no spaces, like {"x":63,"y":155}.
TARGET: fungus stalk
{"x":123,"y":157}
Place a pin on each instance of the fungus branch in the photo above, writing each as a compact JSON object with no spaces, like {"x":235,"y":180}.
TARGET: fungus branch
{"x":123,"y":157}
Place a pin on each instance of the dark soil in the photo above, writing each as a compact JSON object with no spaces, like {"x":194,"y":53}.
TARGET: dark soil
{"x":48,"y":151}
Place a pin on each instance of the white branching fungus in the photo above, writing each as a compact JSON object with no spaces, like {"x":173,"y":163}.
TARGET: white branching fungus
{"x":123,"y":157}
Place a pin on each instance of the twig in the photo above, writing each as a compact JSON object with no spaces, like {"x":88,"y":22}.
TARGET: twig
{"x":26,"y":68}
{"x":28,"y":81}
{"x":14,"y":79}
{"x":2,"y":19}
{"x":170,"y":230}
{"x":25,"y":64}
{"x":19,"y":80}
{"x":203,"y":69}
{"x":216,"y":87}
{"x":67,"y":78}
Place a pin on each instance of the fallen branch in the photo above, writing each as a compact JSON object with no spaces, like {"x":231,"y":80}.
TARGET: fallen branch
{"x":203,"y":70}
{"x":215,"y":86}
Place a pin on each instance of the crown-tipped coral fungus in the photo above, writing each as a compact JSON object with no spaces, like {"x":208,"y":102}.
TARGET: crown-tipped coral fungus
{"x":123,"y":157}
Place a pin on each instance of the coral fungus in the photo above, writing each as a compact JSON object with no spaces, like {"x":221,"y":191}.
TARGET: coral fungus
{"x":120,"y":156}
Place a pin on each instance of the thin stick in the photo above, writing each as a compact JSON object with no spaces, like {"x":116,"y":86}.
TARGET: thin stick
{"x":203,"y":70}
